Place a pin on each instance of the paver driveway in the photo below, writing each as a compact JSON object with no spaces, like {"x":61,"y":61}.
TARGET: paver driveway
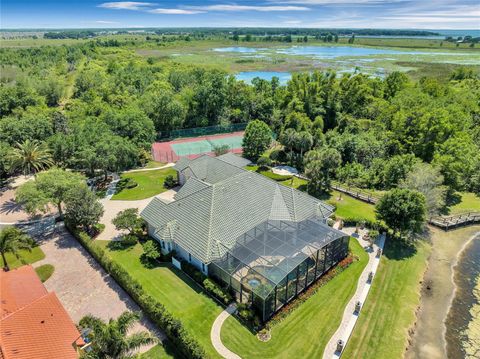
{"x":82,"y":285}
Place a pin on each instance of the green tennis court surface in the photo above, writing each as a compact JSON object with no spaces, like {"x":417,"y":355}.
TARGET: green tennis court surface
{"x":205,"y":145}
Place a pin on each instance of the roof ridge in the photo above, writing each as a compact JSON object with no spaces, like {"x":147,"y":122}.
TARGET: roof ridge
{"x":26,"y":306}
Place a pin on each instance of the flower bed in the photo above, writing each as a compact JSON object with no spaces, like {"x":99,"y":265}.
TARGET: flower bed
{"x":302,"y":297}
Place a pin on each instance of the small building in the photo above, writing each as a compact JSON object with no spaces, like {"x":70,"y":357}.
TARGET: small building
{"x":33,"y":323}
{"x":267,"y":242}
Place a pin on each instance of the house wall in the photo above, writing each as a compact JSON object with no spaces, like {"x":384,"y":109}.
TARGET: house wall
{"x":184,"y":254}
{"x":168,"y":246}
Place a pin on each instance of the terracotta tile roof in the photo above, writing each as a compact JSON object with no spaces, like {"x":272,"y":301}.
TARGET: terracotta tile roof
{"x":18,"y":288}
{"x":34,"y":324}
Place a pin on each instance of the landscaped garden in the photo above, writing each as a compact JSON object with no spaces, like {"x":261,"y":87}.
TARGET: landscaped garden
{"x":319,"y":315}
{"x":143,"y":184}
{"x":389,"y":311}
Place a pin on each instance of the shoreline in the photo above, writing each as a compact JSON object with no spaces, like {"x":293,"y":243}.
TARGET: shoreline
{"x":455,"y":286}
{"x":428,"y":335}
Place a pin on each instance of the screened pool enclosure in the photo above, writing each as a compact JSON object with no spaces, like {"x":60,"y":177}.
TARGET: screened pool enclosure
{"x":276,"y":260}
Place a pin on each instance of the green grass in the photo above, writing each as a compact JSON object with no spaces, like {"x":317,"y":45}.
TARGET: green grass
{"x":45,"y":271}
{"x":25,"y":257}
{"x":160,"y":351}
{"x":389,"y":311}
{"x":155,"y":164}
{"x":350,"y":208}
{"x":306,"y":331}
{"x":180,"y":295}
{"x":150,"y":183}
{"x":469,"y":202}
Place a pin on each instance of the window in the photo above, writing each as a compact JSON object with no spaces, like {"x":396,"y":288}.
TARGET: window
{"x":203,"y":267}
{"x":189,"y":257}
{"x":163,"y":244}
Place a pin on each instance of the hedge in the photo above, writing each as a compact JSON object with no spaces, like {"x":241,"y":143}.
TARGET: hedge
{"x":275,"y":176}
{"x":209,"y":285}
{"x":156,"y":311}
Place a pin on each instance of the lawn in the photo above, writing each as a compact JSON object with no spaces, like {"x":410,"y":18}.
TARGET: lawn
{"x":160,"y":351}
{"x":150,"y":183}
{"x":389,"y":311}
{"x":306,"y":331}
{"x":350,"y":208}
{"x":45,"y":271}
{"x":469,"y":202}
{"x":346,"y":208}
{"x":25,"y":257}
{"x":181,"y":296}
{"x":155,"y":164}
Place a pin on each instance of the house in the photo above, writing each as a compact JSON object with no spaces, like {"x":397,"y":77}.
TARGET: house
{"x":265,"y":241}
{"x":33,"y":323}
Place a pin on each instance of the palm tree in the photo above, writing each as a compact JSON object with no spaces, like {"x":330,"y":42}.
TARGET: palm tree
{"x":305,"y":142}
{"x":110,"y":340}
{"x":30,"y":157}
{"x":12,"y":240}
{"x":289,"y":140}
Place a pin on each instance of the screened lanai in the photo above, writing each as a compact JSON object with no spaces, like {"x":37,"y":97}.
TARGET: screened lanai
{"x":277,"y":259}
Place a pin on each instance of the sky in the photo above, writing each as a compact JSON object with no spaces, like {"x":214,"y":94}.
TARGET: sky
{"x":394,"y":14}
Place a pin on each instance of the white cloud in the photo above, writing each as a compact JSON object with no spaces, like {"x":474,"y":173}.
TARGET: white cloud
{"x":175,"y":11}
{"x":227,"y":7}
{"x":292,"y":22}
{"x":126,"y":5}
{"x":106,"y":22}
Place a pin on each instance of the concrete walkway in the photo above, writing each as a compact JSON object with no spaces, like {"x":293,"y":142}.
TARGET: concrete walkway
{"x":349,"y":319}
{"x":215,"y":333}
{"x":171,"y":164}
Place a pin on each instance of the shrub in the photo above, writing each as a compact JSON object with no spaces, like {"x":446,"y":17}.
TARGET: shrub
{"x":193,"y":272}
{"x":275,"y":176}
{"x":278,"y":156}
{"x":264,"y":163}
{"x":170,"y":181}
{"x":216,"y":290}
{"x":151,"y":252}
{"x":126,"y":183}
{"x":220,"y":149}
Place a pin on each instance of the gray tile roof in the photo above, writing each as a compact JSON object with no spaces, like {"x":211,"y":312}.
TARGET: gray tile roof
{"x":235,"y":160}
{"x":208,"y":217}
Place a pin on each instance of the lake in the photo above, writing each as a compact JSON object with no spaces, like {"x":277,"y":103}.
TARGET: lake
{"x":248,"y":76}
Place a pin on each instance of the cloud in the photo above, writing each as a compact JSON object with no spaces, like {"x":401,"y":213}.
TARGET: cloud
{"x":227,"y":7}
{"x":175,"y":11}
{"x":106,"y":22}
{"x":126,"y":5}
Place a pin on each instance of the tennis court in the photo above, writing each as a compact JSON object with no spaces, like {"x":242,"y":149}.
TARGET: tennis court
{"x":193,"y":147}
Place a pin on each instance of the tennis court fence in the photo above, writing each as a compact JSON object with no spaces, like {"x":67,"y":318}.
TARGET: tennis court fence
{"x":202,"y":131}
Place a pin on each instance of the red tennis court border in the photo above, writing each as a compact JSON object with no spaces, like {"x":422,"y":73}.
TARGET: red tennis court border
{"x":163,"y":151}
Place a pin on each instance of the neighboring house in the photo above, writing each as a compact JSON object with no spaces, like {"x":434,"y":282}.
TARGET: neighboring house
{"x":266,"y":241}
{"x":33,"y":323}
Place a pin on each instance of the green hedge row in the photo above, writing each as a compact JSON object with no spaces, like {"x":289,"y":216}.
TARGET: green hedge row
{"x":184,"y":342}
{"x":210,"y":286}
{"x":275,"y":176}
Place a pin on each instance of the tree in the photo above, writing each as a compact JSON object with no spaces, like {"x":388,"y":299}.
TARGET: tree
{"x":256,"y":139}
{"x":129,"y":220}
{"x":111,"y":340}
{"x":13,"y":240}
{"x":305,"y":142}
{"x":428,"y":180}
{"x":403,"y":210}
{"x":150,"y":251}
{"x":30,"y":157}
{"x":395,"y":82}
{"x":319,"y":168}
{"x":82,"y":207}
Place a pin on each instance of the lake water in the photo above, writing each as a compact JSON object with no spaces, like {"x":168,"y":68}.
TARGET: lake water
{"x":463,"y":327}
{"x":248,"y":76}
{"x":241,"y":49}
{"x":330,"y":52}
